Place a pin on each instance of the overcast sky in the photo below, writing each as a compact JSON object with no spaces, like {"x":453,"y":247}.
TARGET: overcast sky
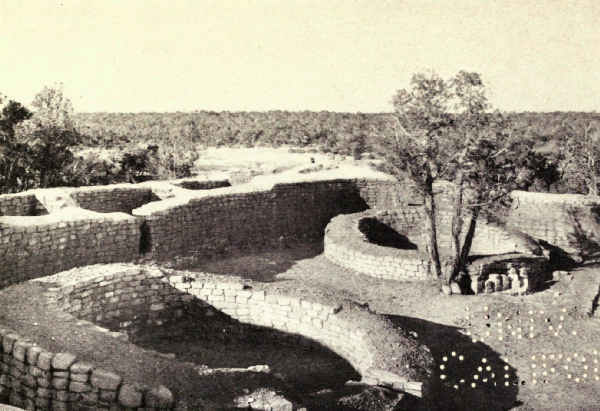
{"x":130,"y":55}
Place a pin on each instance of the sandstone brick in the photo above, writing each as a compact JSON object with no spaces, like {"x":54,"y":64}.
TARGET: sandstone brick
{"x":44,"y":360}
{"x":159,"y":397}
{"x":62,"y":361}
{"x":105,"y":380}
{"x":79,"y":387}
{"x":81,"y":367}
{"x":130,"y":396}
{"x":60,"y":383}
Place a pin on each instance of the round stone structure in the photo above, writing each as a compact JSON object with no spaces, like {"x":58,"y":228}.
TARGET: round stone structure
{"x":392,"y":246}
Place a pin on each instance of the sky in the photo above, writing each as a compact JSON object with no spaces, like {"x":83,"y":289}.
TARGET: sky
{"x":336,"y":55}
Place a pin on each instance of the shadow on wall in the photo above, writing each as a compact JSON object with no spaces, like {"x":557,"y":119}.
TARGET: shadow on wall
{"x":382,"y":234}
{"x":442,"y":340}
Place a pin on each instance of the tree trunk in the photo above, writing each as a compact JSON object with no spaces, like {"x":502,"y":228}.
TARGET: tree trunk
{"x":457,"y":225}
{"x":466,"y":247}
{"x":593,"y":185}
{"x":434,"y":255}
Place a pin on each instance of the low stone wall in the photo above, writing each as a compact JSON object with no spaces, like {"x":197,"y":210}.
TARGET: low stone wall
{"x":246,"y":217}
{"x":568,"y":221}
{"x":349,"y":247}
{"x":346,"y":246}
{"x":23,"y":204}
{"x":126,"y":294}
{"x":112,"y":198}
{"x":37,"y":379}
{"x":195,"y":184}
{"x":31,"y":247}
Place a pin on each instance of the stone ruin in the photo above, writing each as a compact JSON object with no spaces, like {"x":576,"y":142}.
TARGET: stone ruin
{"x":46,"y":232}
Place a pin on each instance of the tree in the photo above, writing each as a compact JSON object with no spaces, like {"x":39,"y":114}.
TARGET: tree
{"x":50,"y":134}
{"x":14,"y":169}
{"x":580,"y":147}
{"x":444,"y":131}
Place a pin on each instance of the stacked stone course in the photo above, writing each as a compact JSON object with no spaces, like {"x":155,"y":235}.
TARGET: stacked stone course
{"x":55,"y":244}
{"x":112,"y":198}
{"x":240,"y":220}
{"x":36,"y":379}
{"x":568,"y":221}
{"x":347,"y":246}
{"x":195,"y":184}
{"x":23,"y":204}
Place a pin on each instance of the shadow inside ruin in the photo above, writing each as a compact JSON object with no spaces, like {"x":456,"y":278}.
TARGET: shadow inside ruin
{"x":382,"y":234}
{"x":490,"y":392}
{"x":221,"y":359}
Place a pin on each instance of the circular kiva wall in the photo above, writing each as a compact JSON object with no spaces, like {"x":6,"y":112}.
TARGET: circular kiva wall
{"x":391,"y":245}
{"x":121,"y":296}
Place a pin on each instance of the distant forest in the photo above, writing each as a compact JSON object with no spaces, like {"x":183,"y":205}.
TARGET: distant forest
{"x":342,"y":133}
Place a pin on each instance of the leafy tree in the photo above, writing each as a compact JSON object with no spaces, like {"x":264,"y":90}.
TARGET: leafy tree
{"x":35,"y":148}
{"x":444,"y":131}
{"x":581,"y":150}
{"x":14,"y":168}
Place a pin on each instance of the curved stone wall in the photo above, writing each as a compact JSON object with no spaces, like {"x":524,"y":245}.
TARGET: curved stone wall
{"x":347,"y":244}
{"x":123,"y":295}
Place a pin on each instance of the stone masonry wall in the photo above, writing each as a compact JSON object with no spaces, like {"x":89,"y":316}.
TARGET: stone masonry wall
{"x":568,"y":221}
{"x":194,"y":184}
{"x":31,"y":247}
{"x":112,"y":198}
{"x":36,"y":379}
{"x":347,"y":246}
{"x":235,"y":219}
{"x":25,"y":204}
{"x":126,"y":294}
{"x":214,"y":222}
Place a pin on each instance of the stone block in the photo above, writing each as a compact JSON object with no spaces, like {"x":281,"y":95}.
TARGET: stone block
{"x":60,"y":383}
{"x":20,"y":350}
{"x":62,"y":361}
{"x":32,"y":354}
{"x":44,"y":360}
{"x":81,"y":367}
{"x":476,"y":285}
{"x":130,"y":396}
{"x":79,"y":387}
{"x":159,"y":397}
{"x":8,"y":342}
{"x":105,"y":380}
{"x":108,"y":395}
